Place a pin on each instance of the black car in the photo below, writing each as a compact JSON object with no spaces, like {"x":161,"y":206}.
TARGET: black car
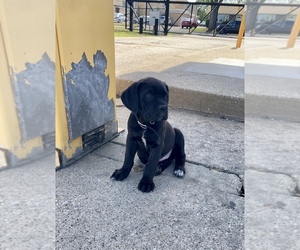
{"x":232,"y":27}
{"x":283,"y":27}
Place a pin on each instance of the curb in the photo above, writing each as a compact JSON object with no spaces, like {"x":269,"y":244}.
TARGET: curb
{"x":274,"y":107}
{"x":226,"y":106}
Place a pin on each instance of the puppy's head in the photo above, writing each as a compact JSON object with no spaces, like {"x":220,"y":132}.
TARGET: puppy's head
{"x":148,"y":98}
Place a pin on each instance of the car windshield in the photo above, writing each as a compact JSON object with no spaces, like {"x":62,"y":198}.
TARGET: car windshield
{"x":234,"y":23}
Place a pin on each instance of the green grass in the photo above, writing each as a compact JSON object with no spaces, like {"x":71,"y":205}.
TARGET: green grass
{"x":120,"y":31}
{"x":201,"y":29}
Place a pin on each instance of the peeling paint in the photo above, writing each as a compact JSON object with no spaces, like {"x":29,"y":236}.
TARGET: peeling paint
{"x":86,"y":95}
{"x":34,"y":96}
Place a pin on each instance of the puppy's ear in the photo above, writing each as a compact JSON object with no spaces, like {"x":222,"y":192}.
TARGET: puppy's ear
{"x":130,"y":98}
{"x":166,"y":87}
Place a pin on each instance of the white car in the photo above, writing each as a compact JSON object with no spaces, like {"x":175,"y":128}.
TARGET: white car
{"x":162,"y":20}
{"x":119,"y":18}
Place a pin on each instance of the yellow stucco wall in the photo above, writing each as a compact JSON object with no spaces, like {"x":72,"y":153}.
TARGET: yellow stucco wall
{"x":26,"y":33}
{"x":82,"y":26}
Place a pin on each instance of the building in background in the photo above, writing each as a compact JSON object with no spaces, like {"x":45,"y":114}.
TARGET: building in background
{"x":143,"y":8}
{"x":265,"y":13}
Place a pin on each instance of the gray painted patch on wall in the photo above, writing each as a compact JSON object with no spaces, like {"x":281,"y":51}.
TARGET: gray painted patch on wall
{"x":34,"y":96}
{"x":86,"y":95}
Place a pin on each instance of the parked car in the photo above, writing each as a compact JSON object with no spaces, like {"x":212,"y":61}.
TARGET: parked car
{"x":162,"y":20}
{"x":203,"y":23}
{"x":231,"y":27}
{"x":283,"y":27}
{"x":119,"y":18}
{"x":189,"y":23}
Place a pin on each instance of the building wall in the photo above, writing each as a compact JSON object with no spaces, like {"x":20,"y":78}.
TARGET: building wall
{"x":143,"y":8}
{"x":265,"y":13}
{"x":175,"y":10}
{"x":119,"y":6}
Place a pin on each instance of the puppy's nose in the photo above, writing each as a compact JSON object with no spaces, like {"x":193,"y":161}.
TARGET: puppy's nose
{"x":162,"y":107}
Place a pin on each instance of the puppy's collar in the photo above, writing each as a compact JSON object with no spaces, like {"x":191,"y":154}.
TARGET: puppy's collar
{"x":143,"y":126}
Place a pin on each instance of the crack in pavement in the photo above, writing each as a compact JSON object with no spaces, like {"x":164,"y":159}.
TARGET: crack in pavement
{"x":296,"y":190}
{"x":211,"y":167}
{"x":239,"y":189}
{"x":240,"y":192}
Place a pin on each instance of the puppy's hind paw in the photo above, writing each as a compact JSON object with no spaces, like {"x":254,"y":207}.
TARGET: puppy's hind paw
{"x":179,"y":173}
{"x":158,"y":170}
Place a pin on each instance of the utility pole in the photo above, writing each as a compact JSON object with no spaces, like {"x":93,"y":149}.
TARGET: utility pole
{"x":167,"y":4}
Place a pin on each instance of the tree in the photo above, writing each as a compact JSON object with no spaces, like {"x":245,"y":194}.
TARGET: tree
{"x":213,"y":15}
{"x":201,"y":13}
{"x":251,"y":13}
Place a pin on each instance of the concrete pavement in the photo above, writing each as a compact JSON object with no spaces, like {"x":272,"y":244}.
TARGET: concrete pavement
{"x":272,"y":179}
{"x":27,"y":201}
{"x":203,"y":74}
{"x":272,"y":136}
{"x":204,"y":210}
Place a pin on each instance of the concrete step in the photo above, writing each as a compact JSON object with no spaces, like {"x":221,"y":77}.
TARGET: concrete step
{"x":272,"y":88}
{"x":216,"y":87}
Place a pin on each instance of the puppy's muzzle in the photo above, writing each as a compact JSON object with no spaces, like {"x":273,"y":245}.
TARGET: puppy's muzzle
{"x":158,"y":113}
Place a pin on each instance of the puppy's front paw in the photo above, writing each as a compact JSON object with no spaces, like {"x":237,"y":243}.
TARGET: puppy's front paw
{"x":146,"y":186}
{"x":179,"y":172}
{"x":119,"y":175}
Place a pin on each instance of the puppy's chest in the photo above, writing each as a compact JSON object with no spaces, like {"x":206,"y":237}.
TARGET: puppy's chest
{"x":149,"y":138}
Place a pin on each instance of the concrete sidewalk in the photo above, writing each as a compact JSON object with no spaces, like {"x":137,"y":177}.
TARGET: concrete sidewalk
{"x":204,"y":210}
{"x":210,"y":75}
{"x":195,"y":68}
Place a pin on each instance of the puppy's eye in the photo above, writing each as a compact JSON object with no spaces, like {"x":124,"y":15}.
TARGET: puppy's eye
{"x":149,"y":96}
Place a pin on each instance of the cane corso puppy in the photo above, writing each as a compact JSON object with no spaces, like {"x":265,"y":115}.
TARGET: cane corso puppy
{"x":148,"y":101}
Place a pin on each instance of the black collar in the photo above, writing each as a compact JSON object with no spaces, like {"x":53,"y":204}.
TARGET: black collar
{"x":143,"y":126}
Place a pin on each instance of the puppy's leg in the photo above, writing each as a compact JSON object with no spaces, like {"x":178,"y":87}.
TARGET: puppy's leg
{"x":163,"y":165}
{"x":179,"y":153}
{"x":142,"y":152}
{"x":146,"y":184}
{"x":131,"y":148}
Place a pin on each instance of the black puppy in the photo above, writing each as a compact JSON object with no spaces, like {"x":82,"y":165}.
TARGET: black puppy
{"x":148,"y":100}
